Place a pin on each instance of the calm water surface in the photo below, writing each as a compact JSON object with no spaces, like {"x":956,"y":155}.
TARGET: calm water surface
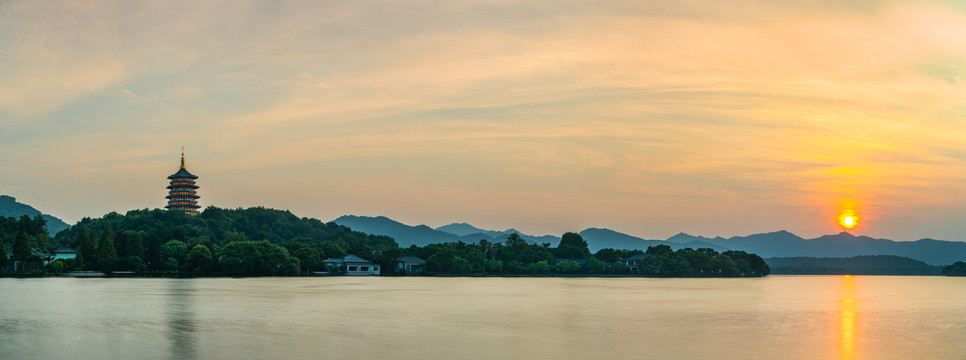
{"x":779,"y":317}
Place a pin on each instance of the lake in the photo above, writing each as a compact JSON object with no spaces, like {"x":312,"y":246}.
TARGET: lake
{"x":778,"y":317}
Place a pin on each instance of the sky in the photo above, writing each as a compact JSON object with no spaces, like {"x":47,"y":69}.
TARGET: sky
{"x":646,"y":117}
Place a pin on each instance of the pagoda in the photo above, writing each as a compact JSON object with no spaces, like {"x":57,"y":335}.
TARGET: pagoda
{"x":182,"y":193}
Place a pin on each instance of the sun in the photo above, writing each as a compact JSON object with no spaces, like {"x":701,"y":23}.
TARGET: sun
{"x":848,"y":219}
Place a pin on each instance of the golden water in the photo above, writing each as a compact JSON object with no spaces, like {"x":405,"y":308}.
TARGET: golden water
{"x":778,"y":317}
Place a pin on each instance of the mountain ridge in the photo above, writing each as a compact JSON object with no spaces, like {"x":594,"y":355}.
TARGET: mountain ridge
{"x":10,"y":207}
{"x":781,"y":243}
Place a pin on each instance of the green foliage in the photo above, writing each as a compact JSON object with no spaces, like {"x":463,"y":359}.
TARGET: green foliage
{"x":609,"y":255}
{"x":57,"y":267}
{"x":492,"y":266}
{"x":83,"y":244}
{"x":956,"y":269}
{"x":619,"y":268}
{"x":330,"y":249}
{"x":595,"y":266}
{"x":173,"y":254}
{"x":539,"y":267}
{"x":857,"y":265}
{"x":199,"y":259}
{"x":79,"y":262}
{"x":21,"y":245}
{"x":724,"y":265}
{"x":309,"y":258}
{"x":125,"y":263}
{"x":446,"y":261}
{"x":572,"y":246}
{"x":257,"y":258}
{"x":567,"y":267}
{"x":3,"y":255}
{"x":106,"y":250}
{"x":143,"y":233}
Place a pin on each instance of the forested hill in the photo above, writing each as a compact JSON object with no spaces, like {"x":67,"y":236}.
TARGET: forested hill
{"x":9,"y":207}
{"x":858,"y":265}
{"x":215,"y":227}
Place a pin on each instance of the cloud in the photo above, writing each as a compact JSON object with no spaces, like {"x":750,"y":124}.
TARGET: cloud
{"x":752,"y":107}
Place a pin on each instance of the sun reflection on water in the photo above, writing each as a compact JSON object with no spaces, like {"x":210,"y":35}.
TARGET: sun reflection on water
{"x":847,"y":320}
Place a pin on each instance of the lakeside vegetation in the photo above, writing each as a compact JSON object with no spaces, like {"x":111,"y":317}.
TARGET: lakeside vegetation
{"x":856,"y":265}
{"x":266,"y":242}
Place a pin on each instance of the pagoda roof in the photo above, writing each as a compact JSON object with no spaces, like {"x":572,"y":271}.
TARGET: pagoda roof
{"x":182,"y":173}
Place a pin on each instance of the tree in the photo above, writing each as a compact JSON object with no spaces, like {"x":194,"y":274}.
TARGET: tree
{"x":608,"y":254}
{"x":618,"y":268}
{"x":572,"y":246}
{"x":332,"y":250}
{"x":85,"y":247}
{"x":21,"y":247}
{"x":595,"y":266}
{"x":79,"y":262}
{"x":514,"y":241}
{"x":173,"y":253}
{"x":725,"y":265}
{"x":3,"y":255}
{"x":259,"y":258}
{"x":308,"y":257}
{"x":106,"y":250}
{"x":199,"y":259}
{"x":956,"y":269}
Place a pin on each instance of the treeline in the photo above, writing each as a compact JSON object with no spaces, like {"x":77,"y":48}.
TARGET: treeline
{"x":20,"y":236}
{"x":956,"y":269}
{"x":572,"y":257}
{"x":858,"y":265}
{"x":243,"y":242}
{"x":266,"y":242}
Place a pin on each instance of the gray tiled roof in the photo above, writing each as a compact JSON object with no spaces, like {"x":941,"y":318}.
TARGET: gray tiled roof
{"x":410,"y":259}
{"x":348,"y":259}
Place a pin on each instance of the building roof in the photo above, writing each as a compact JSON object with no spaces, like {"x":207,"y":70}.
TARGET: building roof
{"x":410,"y":259}
{"x":66,"y":249}
{"x":355,"y":259}
{"x":348,"y":259}
{"x":182,"y":173}
{"x":637,"y":257}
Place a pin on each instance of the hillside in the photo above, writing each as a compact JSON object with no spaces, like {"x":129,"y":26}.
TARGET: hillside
{"x":422,"y":235}
{"x":858,"y":265}
{"x":841,"y":245}
{"x":9,"y":207}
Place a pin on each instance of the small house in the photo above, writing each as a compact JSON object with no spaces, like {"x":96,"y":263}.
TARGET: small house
{"x":631,"y":262}
{"x":352,"y":265}
{"x":410,"y":264}
{"x":64,"y":253}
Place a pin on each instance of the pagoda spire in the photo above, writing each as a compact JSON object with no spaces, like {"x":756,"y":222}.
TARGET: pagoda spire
{"x":182,"y":157}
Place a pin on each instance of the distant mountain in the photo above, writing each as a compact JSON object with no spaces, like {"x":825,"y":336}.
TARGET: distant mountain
{"x":404,"y":235}
{"x":785,"y":244}
{"x":9,"y":207}
{"x":767,"y":245}
{"x":464,"y":229}
{"x":606,"y":238}
{"x":422,"y":235}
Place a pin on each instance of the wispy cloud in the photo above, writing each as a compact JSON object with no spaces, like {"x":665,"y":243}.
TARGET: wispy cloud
{"x":648,"y":116}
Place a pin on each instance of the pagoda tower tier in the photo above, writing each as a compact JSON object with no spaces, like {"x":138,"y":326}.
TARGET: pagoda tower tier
{"x":182,"y":193}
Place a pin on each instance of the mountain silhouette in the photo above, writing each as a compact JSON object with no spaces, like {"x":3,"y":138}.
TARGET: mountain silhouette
{"x":767,"y":245}
{"x":9,"y":207}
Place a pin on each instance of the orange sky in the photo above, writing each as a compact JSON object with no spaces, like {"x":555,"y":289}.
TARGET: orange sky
{"x":647,"y":117}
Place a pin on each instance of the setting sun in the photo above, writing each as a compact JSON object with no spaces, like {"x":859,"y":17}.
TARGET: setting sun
{"x":848,"y":219}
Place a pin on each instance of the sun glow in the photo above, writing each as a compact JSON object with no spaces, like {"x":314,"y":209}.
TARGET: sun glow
{"x":848,"y":219}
